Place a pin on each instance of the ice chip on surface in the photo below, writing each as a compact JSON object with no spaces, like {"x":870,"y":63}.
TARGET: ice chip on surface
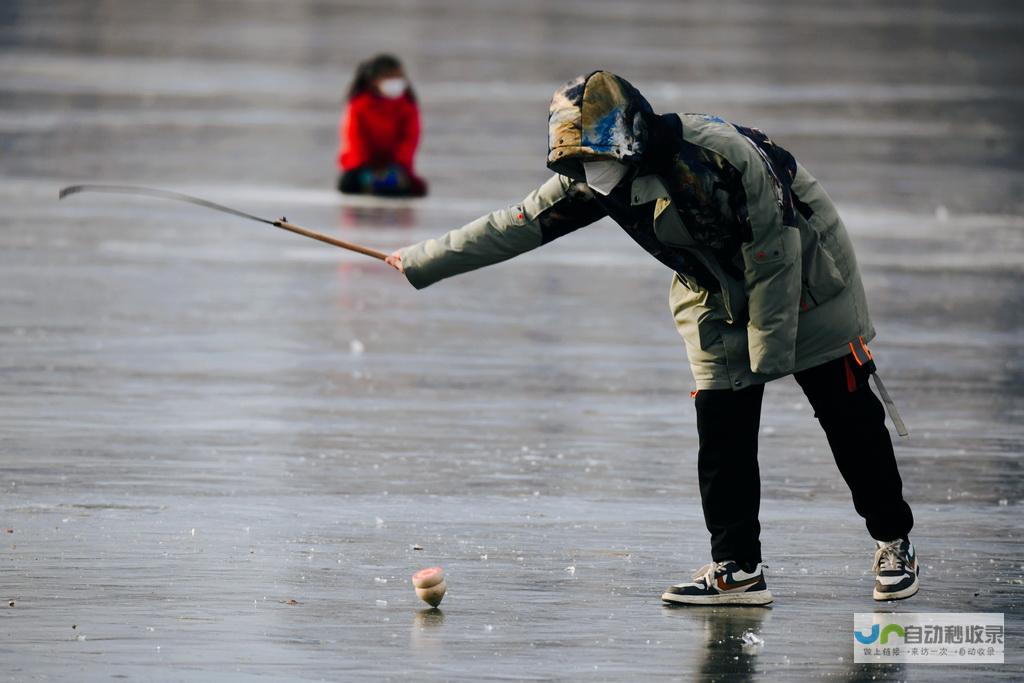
{"x":751,"y":641}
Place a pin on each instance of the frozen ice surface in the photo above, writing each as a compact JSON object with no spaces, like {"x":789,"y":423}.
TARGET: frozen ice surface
{"x":164,"y":369}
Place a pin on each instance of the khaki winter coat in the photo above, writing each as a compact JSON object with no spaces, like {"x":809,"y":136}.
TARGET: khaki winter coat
{"x":766,"y":281}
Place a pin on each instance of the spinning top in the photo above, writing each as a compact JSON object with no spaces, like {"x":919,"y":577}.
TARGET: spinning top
{"x":430,"y":585}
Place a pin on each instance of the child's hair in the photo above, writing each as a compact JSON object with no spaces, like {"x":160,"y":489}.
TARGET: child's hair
{"x":370,"y":70}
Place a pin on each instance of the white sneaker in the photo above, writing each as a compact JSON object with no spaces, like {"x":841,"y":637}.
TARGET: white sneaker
{"x":722,"y":583}
{"x":896,"y":570}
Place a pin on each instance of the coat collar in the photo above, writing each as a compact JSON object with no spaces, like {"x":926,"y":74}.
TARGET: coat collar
{"x":647,"y":188}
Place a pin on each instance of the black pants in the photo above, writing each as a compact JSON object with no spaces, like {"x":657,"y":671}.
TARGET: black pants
{"x":854,"y":423}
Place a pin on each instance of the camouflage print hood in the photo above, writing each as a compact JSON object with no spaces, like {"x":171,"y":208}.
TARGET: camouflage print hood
{"x":595,"y":116}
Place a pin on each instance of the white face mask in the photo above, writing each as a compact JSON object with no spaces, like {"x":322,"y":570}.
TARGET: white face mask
{"x":392,"y":87}
{"x":603,"y":176}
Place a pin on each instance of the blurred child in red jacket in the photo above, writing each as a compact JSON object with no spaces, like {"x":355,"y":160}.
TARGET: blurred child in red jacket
{"x":379,"y":132}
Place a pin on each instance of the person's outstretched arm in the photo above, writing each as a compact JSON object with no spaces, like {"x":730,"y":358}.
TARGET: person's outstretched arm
{"x":558,"y":207}
{"x":772,"y":271}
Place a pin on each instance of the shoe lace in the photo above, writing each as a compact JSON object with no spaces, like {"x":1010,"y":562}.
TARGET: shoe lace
{"x":888,"y":556}
{"x":707,"y":573}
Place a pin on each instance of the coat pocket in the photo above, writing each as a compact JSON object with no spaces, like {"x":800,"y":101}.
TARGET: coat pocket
{"x":822,"y":279}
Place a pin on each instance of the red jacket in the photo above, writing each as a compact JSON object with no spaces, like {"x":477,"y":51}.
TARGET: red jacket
{"x":378,"y":131}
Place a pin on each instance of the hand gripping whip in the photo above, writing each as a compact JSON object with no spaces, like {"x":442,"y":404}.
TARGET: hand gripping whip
{"x":166,"y":194}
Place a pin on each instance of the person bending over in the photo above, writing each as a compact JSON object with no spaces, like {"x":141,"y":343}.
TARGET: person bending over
{"x":765,"y":284}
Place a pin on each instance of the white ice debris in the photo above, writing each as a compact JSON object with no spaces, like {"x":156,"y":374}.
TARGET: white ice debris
{"x":751,"y":638}
{"x":571,"y":570}
{"x":1003,"y":502}
{"x":355,"y":347}
{"x":382,"y":603}
{"x":379,"y":579}
{"x":378,"y":521}
{"x":751,"y":641}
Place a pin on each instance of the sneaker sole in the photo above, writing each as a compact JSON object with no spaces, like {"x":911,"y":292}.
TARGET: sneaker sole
{"x":897,"y":595}
{"x":754,"y":598}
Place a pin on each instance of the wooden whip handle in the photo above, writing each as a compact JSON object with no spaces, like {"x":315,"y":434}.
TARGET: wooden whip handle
{"x":285,"y":225}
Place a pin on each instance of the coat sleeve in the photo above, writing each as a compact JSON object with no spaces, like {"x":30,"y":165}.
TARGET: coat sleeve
{"x":558,"y":207}
{"x":410,"y":137}
{"x":772,"y":265}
